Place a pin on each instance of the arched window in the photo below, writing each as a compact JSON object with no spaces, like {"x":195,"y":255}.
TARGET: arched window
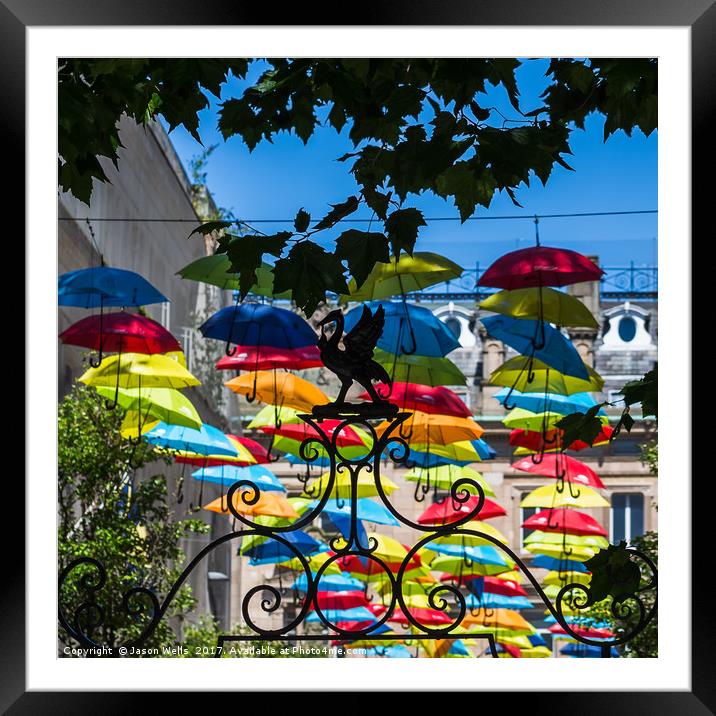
{"x":627,"y":329}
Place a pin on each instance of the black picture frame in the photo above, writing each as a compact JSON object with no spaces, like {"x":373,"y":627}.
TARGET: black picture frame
{"x":699,"y":15}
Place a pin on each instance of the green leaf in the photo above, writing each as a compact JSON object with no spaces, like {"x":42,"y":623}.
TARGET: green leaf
{"x":614,"y":574}
{"x":246,"y":254}
{"x":309,"y":271}
{"x":468,"y":186}
{"x":210,"y":226}
{"x":644,"y":391}
{"x":402,"y":229}
{"x":580,"y":426}
{"x":362,"y":250}
{"x":337,"y":212}
{"x":302,"y":220}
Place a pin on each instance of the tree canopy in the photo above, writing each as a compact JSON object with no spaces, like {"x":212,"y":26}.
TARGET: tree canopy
{"x":416,"y":125}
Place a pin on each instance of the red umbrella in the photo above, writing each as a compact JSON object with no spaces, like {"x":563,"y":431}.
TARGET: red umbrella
{"x":533,"y":440}
{"x":356,"y":565}
{"x":256,"y":449}
{"x":120,"y":332}
{"x":437,"y":400}
{"x":540,"y":266}
{"x":566,"y":521}
{"x":587,"y":633}
{"x":300,"y":431}
{"x":493,"y":585}
{"x":421,"y":615}
{"x":251,"y":358}
{"x":440,"y":513}
{"x":341,"y":600}
{"x":553,"y":465}
{"x":512,"y":650}
{"x":209,"y":462}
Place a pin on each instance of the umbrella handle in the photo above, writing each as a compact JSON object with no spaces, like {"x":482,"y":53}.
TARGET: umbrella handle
{"x":409,"y":434}
{"x":252,"y":397}
{"x":412,"y":339}
{"x":572,"y":493}
{"x":96,"y":362}
{"x":549,"y":520}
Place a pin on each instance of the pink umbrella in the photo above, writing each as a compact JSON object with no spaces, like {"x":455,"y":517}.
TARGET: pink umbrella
{"x":561,"y":466}
{"x":437,"y":400}
{"x":440,"y":513}
{"x":566,"y":521}
{"x":252,"y":358}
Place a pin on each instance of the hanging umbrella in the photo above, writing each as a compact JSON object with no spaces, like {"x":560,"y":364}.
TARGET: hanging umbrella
{"x":257,"y":324}
{"x":258,"y":451}
{"x":552,"y":439}
{"x":566,"y":565}
{"x":461,"y":452}
{"x":408,"y":329}
{"x":557,"y":307}
{"x":419,"y":369}
{"x":371,"y":571}
{"x":341,"y":599}
{"x":340,"y":617}
{"x":104,"y":287}
{"x":473,"y":540}
{"x":402,"y":275}
{"x":216,"y":270}
{"x":516,"y":373}
{"x":484,"y":554}
{"x":507,"y":619}
{"x":586,"y":651}
{"x":497,"y":601}
{"x":428,"y":617}
{"x":443,"y":477}
{"x":366,"y":509}
{"x":226,"y":475}
{"x":436,"y":429}
{"x":207,"y":440}
{"x":285,"y":389}
{"x":540,"y":266}
{"x":521,"y":419}
{"x":315,"y":562}
{"x":463,"y":566}
{"x":387,"y":548}
{"x":269,"y":503}
{"x":346,"y":436}
{"x":549,"y":496}
{"x":120,"y":332}
{"x":499,"y":586}
{"x":155,"y":404}
{"x":330,"y":583}
{"x":570,"y":540}
{"x":251,"y":358}
{"x":428,"y":399}
{"x":268,"y":551}
{"x":441,"y":513}
{"x":485,"y":451}
{"x":563,"y":467}
{"x":564,"y":520}
{"x":288,"y":445}
{"x":138,"y":370}
{"x":549,"y":402}
{"x":560,"y":580}
{"x":270,"y":415}
{"x":538,"y":339}
{"x":342,"y":487}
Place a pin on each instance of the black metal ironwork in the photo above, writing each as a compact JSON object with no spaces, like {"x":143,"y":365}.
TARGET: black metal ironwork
{"x":141,"y":602}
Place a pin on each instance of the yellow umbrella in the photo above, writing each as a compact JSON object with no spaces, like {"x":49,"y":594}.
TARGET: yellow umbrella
{"x":139,"y":370}
{"x":579,"y":554}
{"x":341,"y":489}
{"x":535,"y":652}
{"x":460,"y":566}
{"x":515,"y":372}
{"x":596,"y":541}
{"x":559,"y":580}
{"x":266,"y":417}
{"x":461,"y":451}
{"x":550,"y":496}
{"x":403,"y":275}
{"x":521,"y":419}
{"x":388,"y":548}
{"x":472,"y":540}
{"x":269,"y":503}
{"x":437,"y":429}
{"x":315,"y":562}
{"x":444,"y":476}
{"x":410,"y":588}
{"x":133,"y":425}
{"x":557,"y":307}
{"x":282,"y":389}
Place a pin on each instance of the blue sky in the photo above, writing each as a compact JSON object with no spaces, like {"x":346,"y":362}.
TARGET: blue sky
{"x":277,"y":179}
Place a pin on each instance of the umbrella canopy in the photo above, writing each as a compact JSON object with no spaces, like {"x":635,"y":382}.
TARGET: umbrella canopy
{"x":258,"y":451}
{"x":443,"y":477}
{"x":465,"y":567}
{"x":549,"y":402}
{"x":402,"y":275}
{"x":279,"y":389}
{"x":340,"y":617}
{"x":103,"y":287}
{"x":156,"y":404}
{"x":556,"y":307}
{"x":428,"y":617}
{"x":436,"y":429}
{"x":440,"y":513}
{"x":269,"y":551}
{"x":562,"y":565}
{"x":552,"y":440}
{"x":387,"y":548}
{"x":458,"y":452}
{"x":288,"y":445}
{"x":474,"y":540}
{"x":497,"y":601}
{"x":330,"y":583}
{"x":257,"y":324}
{"x":315,"y":562}
{"x":342,"y":487}
{"x":561,"y":466}
{"x":559,"y":580}
{"x":570,"y":540}
{"x":521,"y":419}
{"x":515,"y":373}
{"x":225,"y":475}
{"x":408,"y":329}
{"x":499,"y":618}
{"x":420,"y":369}
{"x":347,"y":436}
{"x":428,"y":399}
{"x":540,"y":266}
{"x":250,"y":358}
{"x":485,"y":554}
{"x":139,"y":370}
{"x":269,"y":503}
{"x":344,"y":599}
{"x":586,"y":651}
{"x":565,"y":520}
{"x":120,"y":332}
{"x":207,"y":440}
{"x":550,"y":496}
{"x":539,"y":339}
{"x":216,"y":270}
{"x":366,"y":509}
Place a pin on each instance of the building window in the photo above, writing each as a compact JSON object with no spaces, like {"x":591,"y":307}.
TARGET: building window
{"x":627,"y":329}
{"x":454,"y":325}
{"x":165,"y":315}
{"x":627,"y":516}
{"x":526,"y":513}
{"x":187,"y":345}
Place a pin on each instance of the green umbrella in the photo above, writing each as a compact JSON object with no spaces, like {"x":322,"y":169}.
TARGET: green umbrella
{"x":425,"y":370}
{"x":215,"y":270}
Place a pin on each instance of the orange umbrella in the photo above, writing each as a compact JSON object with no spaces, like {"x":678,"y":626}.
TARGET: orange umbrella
{"x":284,"y":389}
{"x":436,"y":429}
{"x":498,"y":618}
{"x":270,"y":503}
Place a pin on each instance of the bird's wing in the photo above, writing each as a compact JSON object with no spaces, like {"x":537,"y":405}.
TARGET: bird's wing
{"x":361,"y":340}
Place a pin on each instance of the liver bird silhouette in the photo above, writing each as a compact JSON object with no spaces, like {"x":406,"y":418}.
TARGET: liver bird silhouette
{"x":354,"y":362}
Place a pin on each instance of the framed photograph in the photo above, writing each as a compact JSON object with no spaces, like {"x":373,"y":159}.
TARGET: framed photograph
{"x":214,"y":461}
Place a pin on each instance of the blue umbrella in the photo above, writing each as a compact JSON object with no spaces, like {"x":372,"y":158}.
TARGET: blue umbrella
{"x":428,"y":459}
{"x":485,"y":451}
{"x":343,"y":524}
{"x":584,"y":621}
{"x":458,"y":648}
{"x":256,"y":324}
{"x":483,"y":554}
{"x":225,"y":475}
{"x":335,"y":616}
{"x":103,"y":286}
{"x":586,"y":651}
{"x":367,"y":509}
{"x":331,"y":583}
{"x":536,"y":640}
{"x":556,"y":350}
{"x":497,"y":601}
{"x":271,"y":551}
{"x":409,"y":329}
{"x":205,"y":441}
{"x":318,"y":462}
{"x":550,"y":402}
{"x":561,"y":565}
